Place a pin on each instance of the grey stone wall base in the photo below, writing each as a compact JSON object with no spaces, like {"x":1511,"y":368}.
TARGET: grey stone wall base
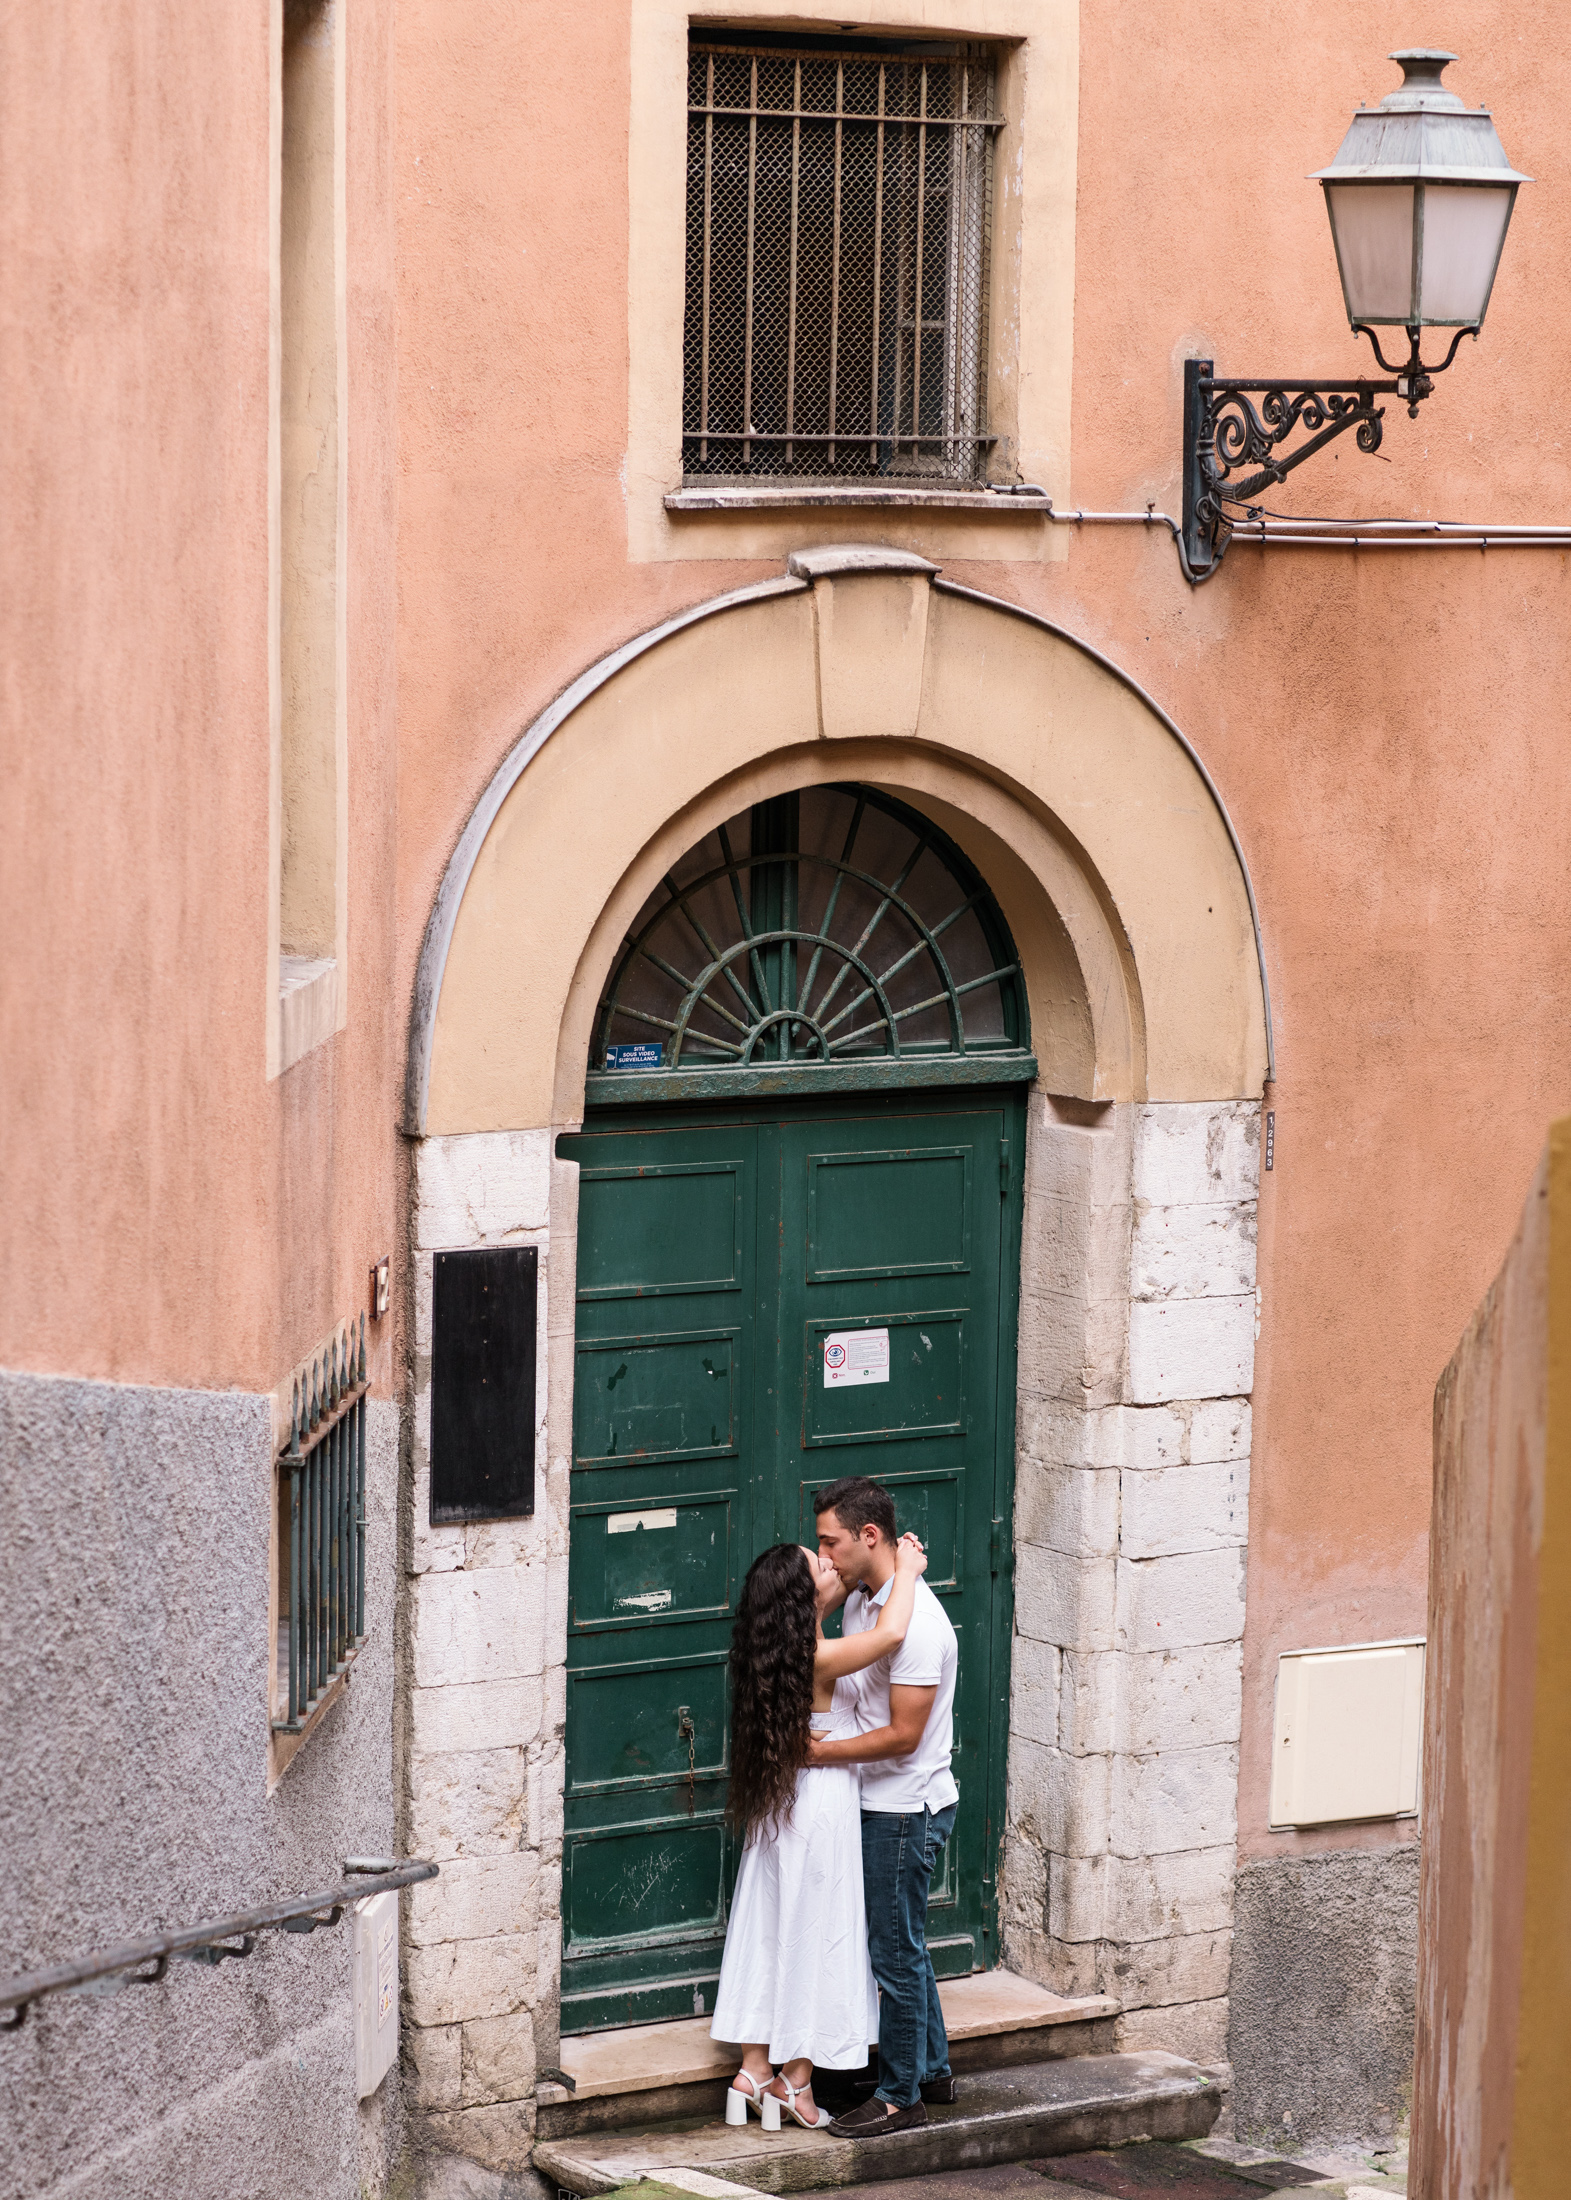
{"x":498,"y":2136}
{"x":282,"y":2125}
{"x":429,"y":2172}
{"x":133,"y":1704}
{"x":1325,"y":1959}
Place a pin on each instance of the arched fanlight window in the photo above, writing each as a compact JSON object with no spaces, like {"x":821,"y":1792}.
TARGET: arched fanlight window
{"x":833,"y":937}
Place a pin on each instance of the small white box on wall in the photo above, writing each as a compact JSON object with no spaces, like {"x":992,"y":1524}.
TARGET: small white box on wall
{"x":373,"y":1942}
{"x":1348,"y":1736}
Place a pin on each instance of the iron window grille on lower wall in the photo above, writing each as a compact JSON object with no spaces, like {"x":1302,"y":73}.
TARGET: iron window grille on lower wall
{"x":839,"y":213}
{"x":321,"y":1529}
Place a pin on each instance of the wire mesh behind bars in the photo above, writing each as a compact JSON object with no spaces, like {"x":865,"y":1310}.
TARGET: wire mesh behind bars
{"x":838,"y":217}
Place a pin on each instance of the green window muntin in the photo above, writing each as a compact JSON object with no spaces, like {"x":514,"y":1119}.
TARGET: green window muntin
{"x":831,"y":939}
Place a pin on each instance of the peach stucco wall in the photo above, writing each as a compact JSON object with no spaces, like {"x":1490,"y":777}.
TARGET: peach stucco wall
{"x":169,"y":1215}
{"x":1385,"y":730}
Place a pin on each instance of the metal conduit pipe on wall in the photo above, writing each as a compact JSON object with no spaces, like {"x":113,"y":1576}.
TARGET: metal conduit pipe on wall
{"x":1338,"y":534}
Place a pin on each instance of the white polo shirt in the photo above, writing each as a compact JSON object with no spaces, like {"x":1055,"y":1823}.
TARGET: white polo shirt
{"x":928,"y":1658}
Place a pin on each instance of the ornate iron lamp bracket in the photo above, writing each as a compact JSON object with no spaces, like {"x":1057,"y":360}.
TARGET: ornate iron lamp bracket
{"x":1233,"y":447}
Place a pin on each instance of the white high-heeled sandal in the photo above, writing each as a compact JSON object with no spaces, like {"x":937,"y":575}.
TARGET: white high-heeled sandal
{"x":737,"y":2103}
{"x":820,"y":2117}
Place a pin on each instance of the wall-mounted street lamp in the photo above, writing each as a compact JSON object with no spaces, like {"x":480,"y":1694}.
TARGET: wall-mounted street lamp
{"x":1419,"y":196}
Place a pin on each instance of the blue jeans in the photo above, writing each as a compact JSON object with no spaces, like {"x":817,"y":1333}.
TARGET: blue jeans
{"x":898,"y":1855}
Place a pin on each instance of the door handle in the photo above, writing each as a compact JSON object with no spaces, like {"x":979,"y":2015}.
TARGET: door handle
{"x":688,"y":1733}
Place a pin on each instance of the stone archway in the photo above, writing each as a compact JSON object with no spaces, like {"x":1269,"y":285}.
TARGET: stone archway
{"x":854,"y":646}
{"x":1122,"y":882}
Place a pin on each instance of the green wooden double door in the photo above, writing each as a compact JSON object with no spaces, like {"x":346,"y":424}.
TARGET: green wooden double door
{"x":767,"y":1300}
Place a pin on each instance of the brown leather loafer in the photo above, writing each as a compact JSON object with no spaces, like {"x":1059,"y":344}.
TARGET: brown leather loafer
{"x":939,"y":2092}
{"x":872,"y":2120}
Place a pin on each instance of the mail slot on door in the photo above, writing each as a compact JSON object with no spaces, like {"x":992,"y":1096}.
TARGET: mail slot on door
{"x":651,"y":1562}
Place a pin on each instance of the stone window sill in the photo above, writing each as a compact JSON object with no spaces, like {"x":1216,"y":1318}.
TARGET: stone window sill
{"x":283,"y":1749}
{"x":307,"y":1005}
{"x":991,"y":503}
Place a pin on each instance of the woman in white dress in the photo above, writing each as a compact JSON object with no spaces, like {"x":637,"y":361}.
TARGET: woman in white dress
{"x":796,"y":1986}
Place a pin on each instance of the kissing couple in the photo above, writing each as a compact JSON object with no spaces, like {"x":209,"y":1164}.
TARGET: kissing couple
{"x":842,"y":1791}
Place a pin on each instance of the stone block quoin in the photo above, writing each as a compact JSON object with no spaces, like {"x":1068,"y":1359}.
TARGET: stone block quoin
{"x":1138,"y":1323}
{"x":485,"y":1696}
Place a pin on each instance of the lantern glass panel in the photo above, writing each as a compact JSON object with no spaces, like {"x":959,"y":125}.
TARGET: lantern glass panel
{"x":1464,"y":228}
{"x":1373,"y":227}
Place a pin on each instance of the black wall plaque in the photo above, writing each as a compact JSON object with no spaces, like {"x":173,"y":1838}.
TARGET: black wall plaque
{"x":483,"y":1384}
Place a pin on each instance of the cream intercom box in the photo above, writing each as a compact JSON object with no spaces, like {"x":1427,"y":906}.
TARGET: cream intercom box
{"x":373,"y":1941}
{"x":1349,"y":1731}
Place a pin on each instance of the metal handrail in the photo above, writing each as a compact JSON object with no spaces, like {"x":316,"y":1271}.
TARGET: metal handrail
{"x":364,"y":1876}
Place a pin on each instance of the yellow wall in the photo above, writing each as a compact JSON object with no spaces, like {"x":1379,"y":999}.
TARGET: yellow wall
{"x":1492,"y":2110}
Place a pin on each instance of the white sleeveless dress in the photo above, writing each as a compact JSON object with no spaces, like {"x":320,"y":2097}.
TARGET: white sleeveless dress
{"x":795,"y":1972}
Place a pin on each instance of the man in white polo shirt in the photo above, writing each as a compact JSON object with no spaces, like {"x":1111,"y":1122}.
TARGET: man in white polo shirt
{"x":905,"y":1711}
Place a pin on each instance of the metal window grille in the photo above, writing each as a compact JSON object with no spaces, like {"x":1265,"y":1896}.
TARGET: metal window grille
{"x":839,"y":212}
{"x":833,"y":927}
{"x":322,"y":1528}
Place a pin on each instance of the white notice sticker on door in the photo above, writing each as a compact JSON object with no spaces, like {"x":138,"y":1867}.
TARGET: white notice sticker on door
{"x":856,"y":1356}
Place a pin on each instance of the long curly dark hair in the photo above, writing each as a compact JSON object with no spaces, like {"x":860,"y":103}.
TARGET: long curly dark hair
{"x":772,"y":1648}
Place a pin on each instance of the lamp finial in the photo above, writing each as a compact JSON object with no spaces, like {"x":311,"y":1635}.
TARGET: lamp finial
{"x":1421,"y":88}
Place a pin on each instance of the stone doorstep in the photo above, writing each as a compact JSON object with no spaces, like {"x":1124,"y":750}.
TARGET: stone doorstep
{"x":684,"y":2182}
{"x":1372,"y":2185}
{"x":1066,"y":2106}
{"x":641,"y":2057}
{"x":700,"y":2182}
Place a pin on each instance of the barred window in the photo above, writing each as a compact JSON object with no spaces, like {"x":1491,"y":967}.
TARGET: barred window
{"x":319,"y":1532}
{"x":838,"y":216}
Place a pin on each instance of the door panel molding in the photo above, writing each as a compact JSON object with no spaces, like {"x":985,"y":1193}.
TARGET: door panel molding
{"x":659,"y":1176}
{"x":637,"y":1571}
{"x":815,"y":1437}
{"x":643,"y":1348}
{"x":957,"y":1265}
